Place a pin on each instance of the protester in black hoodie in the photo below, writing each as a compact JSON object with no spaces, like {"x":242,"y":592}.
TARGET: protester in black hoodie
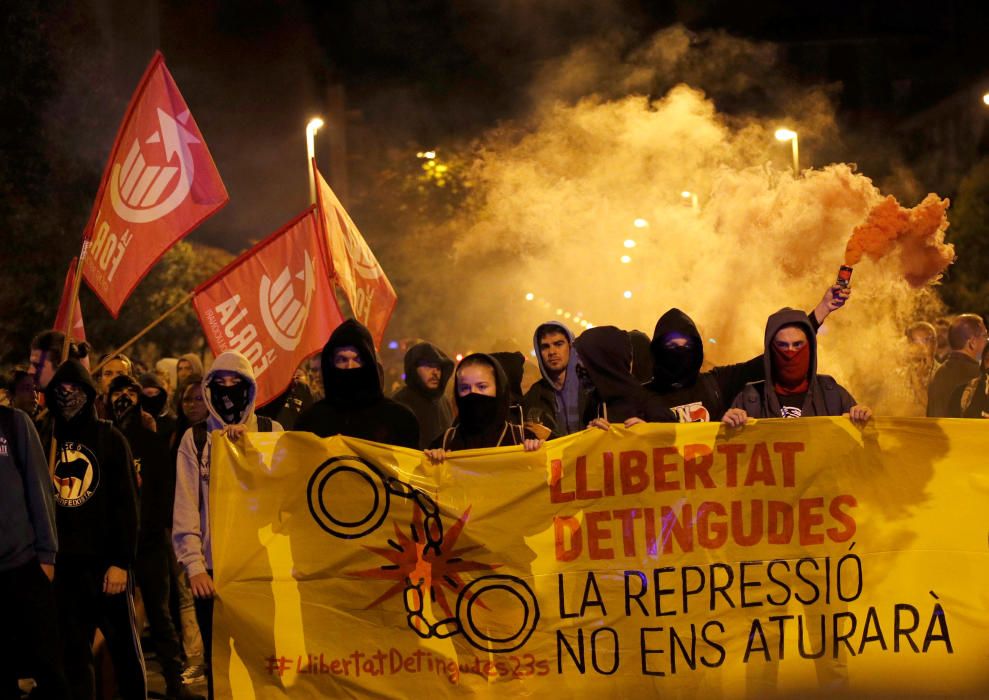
{"x":606,"y":355}
{"x":514,"y":365}
{"x":354,"y":403}
{"x":791,"y":386}
{"x":678,"y":353}
{"x":483,"y":399}
{"x":157,"y":492}
{"x":427,"y":372}
{"x":96,"y":517}
{"x":154,"y":402}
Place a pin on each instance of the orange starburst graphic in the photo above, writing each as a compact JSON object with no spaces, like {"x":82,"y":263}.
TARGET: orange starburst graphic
{"x":410,"y":560}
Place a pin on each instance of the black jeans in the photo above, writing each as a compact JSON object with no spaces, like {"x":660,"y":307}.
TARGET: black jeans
{"x":152,"y":570}
{"x":204,"y":618}
{"x":82,"y":608}
{"x":29,"y":642}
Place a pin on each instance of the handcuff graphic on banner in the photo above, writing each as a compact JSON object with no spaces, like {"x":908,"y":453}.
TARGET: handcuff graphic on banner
{"x":384,"y":487}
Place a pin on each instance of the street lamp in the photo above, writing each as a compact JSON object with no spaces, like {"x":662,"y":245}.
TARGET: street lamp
{"x":791,"y":136}
{"x":311,"y":128}
{"x":692,"y":198}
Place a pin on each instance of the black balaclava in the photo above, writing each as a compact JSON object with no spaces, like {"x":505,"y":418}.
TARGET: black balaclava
{"x":356,"y":387}
{"x":122,"y":408}
{"x":155,"y":405}
{"x":230,"y":402}
{"x":676,"y":367}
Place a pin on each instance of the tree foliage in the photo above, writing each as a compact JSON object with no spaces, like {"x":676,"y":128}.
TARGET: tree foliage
{"x":966,"y":286}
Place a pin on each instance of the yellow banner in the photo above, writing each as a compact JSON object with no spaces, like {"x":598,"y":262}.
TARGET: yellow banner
{"x":789,"y":557}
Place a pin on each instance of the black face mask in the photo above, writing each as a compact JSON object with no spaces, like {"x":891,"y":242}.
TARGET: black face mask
{"x":230,"y":402}
{"x":678,"y":364}
{"x":477,"y":411}
{"x":154,"y":404}
{"x":123,"y":408}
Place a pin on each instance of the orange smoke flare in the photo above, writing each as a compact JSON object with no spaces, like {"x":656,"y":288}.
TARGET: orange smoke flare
{"x":917,"y":233}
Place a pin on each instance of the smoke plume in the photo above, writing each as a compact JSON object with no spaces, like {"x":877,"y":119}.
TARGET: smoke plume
{"x":917,"y":233}
{"x":610,"y":208}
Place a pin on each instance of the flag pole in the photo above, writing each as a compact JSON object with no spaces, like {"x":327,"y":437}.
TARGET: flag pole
{"x":67,"y":341}
{"x":144,"y":331}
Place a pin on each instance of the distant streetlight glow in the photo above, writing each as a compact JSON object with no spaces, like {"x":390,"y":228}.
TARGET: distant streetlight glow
{"x":791,"y":136}
{"x":640,"y":223}
{"x":430,"y":154}
{"x":311,"y":128}
{"x":530,"y":296}
{"x":627,"y":294}
{"x":626,"y":259}
{"x":692,"y":198}
{"x":985,"y":98}
{"x":629,"y":243}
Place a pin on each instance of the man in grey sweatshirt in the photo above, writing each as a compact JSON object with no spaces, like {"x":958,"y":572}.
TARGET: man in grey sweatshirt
{"x":27,"y":561}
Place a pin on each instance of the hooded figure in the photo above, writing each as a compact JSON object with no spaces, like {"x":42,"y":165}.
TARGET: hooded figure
{"x":791,"y":386}
{"x":641,"y":356}
{"x":679,"y":385}
{"x":97,"y":522}
{"x":430,"y":405}
{"x":559,"y":408}
{"x":482,"y":418}
{"x":355,"y":404}
{"x":154,"y":402}
{"x":152,"y":567}
{"x":514,"y":365}
{"x":606,"y":355}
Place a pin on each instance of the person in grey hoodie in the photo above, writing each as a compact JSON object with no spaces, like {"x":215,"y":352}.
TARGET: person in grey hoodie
{"x":792,"y":388}
{"x":559,"y":400}
{"x":230,"y":391}
{"x":28,"y":544}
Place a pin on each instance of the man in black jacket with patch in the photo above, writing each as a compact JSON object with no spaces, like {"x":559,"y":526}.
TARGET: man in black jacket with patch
{"x":427,"y":372}
{"x":96,"y":515}
{"x":355,"y":404}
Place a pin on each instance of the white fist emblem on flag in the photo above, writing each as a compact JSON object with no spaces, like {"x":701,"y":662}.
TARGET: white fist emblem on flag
{"x":141,"y":190}
{"x":284,"y":314}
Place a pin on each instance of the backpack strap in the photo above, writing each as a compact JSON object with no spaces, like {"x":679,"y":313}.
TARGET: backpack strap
{"x":448,"y":435}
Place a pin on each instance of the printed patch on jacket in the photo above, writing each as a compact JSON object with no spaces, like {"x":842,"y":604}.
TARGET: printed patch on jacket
{"x":692,"y":413}
{"x":77,"y":475}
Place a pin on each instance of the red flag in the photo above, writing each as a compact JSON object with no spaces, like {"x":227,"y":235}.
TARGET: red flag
{"x":274,"y":304}
{"x":354,"y":266}
{"x":78,"y":331}
{"x":159,"y":184}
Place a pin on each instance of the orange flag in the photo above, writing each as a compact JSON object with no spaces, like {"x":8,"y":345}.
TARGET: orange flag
{"x":159,"y":184}
{"x":78,"y":331}
{"x":354,"y":266}
{"x":274,"y":304}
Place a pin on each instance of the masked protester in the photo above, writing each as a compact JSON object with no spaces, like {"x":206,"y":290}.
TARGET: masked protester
{"x":157,"y":492}
{"x":791,"y":387}
{"x":229,"y":390}
{"x":96,"y":514}
{"x":678,"y":354}
{"x":154,"y":401}
{"x":483,"y":399}
{"x":606,"y":355}
{"x":427,"y":373}
{"x":355,"y":404}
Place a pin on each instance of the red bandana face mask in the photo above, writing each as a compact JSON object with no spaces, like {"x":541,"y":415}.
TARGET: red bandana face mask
{"x":790,"y":370}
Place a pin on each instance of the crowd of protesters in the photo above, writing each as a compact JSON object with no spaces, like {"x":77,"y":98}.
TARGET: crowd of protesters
{"x":120,"y":504}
